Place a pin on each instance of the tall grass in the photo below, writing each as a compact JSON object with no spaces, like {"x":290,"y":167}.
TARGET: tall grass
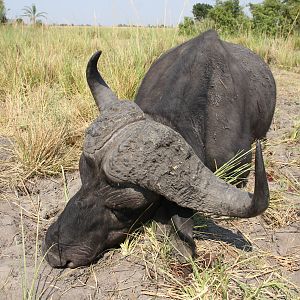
{"x":45,"y":104}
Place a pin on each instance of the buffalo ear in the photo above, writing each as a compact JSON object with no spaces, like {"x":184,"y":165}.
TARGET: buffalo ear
{"x":183,"y":225}
{"x":87,"y":169}
{"x":176,"y":223}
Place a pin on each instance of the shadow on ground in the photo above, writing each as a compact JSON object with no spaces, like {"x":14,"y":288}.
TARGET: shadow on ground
{"x":207,"y":229}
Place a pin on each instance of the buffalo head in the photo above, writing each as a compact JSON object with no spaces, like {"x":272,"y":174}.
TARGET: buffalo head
{"x":131,"y":166}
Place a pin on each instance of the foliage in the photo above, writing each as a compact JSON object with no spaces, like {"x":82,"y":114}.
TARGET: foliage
{"x":276,"y":16}
{"x":293,"y":9}
{"x":200,"y":10}
{"x":32,"y":14}
{"x":3,"y":18}
{"x":271,"y":17}
{"x":228,"y":16}
{"x":187,"y":27}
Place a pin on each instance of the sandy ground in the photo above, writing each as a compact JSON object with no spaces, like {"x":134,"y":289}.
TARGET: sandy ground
{"x":119,"y":276}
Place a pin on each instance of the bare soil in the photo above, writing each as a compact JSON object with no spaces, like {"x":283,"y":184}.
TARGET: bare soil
{"x":119,"y":276}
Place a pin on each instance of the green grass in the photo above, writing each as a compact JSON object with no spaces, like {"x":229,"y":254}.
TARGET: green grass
{"x":29,"y":279}
{"x":232,"y":171}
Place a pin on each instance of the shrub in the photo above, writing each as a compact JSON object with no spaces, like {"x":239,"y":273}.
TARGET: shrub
{"x":275,"y":16}
{"x":187,"y":27}
{"x":228,"y":16}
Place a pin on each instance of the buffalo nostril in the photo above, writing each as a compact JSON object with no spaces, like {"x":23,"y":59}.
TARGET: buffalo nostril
{"x":54,"y":260}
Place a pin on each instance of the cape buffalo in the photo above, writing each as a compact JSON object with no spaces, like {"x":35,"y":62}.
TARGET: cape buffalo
{"x":134,"y":162}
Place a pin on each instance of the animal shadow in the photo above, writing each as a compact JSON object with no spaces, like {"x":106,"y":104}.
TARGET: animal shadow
{"x":207,"y":229}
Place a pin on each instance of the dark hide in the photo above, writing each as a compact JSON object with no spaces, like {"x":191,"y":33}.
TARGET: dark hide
{"x":133,"y":166}
{"x":219,"y":96}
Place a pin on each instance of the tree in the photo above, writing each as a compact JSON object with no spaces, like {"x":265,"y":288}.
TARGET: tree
{"x":32,"y":14}
{"x":200,"y":10}
{"x":276,"y":16}
{"x":228,"y":15}
{"x":3,"y":18}
{"x":293,"y":11}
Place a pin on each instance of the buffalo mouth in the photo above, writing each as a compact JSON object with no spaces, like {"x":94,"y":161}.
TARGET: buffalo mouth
{"x":54,"y":260}
{"x":68,"y":255}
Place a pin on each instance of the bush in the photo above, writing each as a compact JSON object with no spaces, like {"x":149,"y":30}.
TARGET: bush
{"x":275,"y":16}
{"x":228,"y":16}
{"x":187,"y":27}
{"x":293,"y":10}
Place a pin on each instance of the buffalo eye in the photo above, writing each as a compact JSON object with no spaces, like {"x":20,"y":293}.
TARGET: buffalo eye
{"x":123,"y":215}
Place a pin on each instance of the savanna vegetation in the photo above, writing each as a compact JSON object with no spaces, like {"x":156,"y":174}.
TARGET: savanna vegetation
{"x":270,"y":17}
{"x":45,"y":106}
{"x":44,"y":97}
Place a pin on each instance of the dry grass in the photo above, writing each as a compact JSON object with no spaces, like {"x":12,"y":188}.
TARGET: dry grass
{"x":282,"y":155}
{"x":281,"y":52}
{"x":221,"y":271}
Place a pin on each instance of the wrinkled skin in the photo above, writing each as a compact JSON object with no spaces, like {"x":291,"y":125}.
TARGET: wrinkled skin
{"x":134,"y":168}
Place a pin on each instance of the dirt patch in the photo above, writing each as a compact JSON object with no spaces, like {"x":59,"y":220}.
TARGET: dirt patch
{"x":114,"y":276}
{"x":273,"y":237}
